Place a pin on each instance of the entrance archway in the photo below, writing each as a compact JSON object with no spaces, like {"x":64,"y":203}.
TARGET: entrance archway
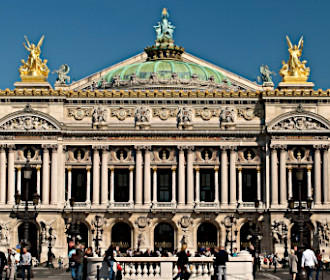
{"x":249,"y":235}
{"x":80,"y":231}
{"x":121,"y":235}
{"x":33,"y":244}
{"x":295,"y":236}
{"x":164,"y":237}
{"x":207,"y":236}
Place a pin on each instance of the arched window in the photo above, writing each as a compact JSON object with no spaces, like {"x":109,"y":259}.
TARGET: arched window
{"x":33,"y":244}
{"x":207,"y":236}
{"x":295,"y":236}
{"x":164,"y":237}
{"x":121,"y":236}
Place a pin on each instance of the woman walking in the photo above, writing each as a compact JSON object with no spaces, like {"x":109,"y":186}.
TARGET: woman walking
{"x":293,"y":264}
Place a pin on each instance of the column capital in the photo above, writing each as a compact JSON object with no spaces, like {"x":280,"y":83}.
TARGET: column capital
{"x":3,"y":147}
{"x":131,"y":168}
{"x":181,"y":148}
{"x":309,"y":168}
{"x":112,"y":168}
{"x":173,"y":168}
{"x":317,"y":146}
{"x":38,"y":167}
{"x":216,"y":168}
{"x":139,"y":147}
{"x":154,"y":168}
{"x":239,"y":168}
{"x":54,"y":147}
{"x":325,"y":147}
{"x":97,"y":147}
{"x":104,"y":148}
{"x":88,"y":168}
{"x":197,"y":167}
{"x":258,"y":168}
{"x":224,"y":148}
{"x":190,"y":149}
{"x":11,"y":146}
{"x":69,"y":168}
{"x":19,"y":167}
{"x":233,"y":148}
{"x":289,"y":167}
{"x":46,"y":146}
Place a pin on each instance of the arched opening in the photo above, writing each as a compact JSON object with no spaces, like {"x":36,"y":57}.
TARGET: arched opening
{"x":164,"y":237}
{"x":207,"y":236}
{"x":295,"y":235}
{"x":250,"y":234}
{"x":33,"y":244}
{"x":80,"y":232}
{"x":121,"y":235}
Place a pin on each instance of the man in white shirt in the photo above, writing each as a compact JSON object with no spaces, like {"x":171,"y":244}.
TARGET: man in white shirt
{"x":25,"y":263}
{"x":309,"y":262}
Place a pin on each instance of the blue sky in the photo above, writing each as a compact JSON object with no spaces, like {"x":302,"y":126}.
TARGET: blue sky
{"x":238,"y":35}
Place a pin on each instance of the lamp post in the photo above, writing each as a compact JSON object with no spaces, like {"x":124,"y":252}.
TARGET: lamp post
{"x":26,"y":216}
{"x":229,"y":222}
{"x":50,"y":238}
{"x":97,"y":223}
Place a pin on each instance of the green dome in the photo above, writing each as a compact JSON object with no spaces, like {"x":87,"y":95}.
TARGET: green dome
{"x":164,"y":70}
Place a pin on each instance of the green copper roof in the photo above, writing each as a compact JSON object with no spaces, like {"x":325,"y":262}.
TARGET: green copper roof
{"x":164,"y":70}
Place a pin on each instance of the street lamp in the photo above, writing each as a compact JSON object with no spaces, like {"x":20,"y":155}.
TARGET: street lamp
{"x":97,"y":223}
{"x":50,"y":238}
{"x":229,"y":222}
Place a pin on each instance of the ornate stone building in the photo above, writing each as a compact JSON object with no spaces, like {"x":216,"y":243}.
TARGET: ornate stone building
{"x":164,"y":147}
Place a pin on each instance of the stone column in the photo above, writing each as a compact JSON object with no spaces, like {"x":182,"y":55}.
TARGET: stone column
{"x":326,"y":191}
{"x":112,"y":185}
{"x":173,"y":184}
{"x":290,"y":192}
{"x":54,"y":176}
{"x":104,"y":178}
{"x":88,"y":185}
{"x":317,"y":176}
{"x":45,"y":175}
{"x":96,"y":176}
{"x":224,"y":177}
{"x":258,"y":183}
{"x":11,"y":175}
{"x":216,"y":184}
{"x":198,"y":193}
{"x":19,"y":180}
{"x":61,"y":175}
{"x":69,"y":169}
{"x":274,"y":177}
{"x":154,"y":199}
{"x":147,"y":177}
{"x":240,"y":185}
{"x":131,"y":184}
{"x":182,"y":177}
{"x":190,"y":176}
{"x":283,"y":192}
{"x":2,"y":174}
{"x":232,"y":171}
{"x":138,"y":176}
{"x":38,"y":178}
{"x":309,"y":182}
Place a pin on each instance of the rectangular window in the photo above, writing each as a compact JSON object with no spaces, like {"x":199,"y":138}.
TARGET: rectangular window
{"x":164,"y":185}
{"x":79,"y":184}
{"x":121,"y":185}
{"x":249,"y":177}
{"x":297,"y":184}
{"x":28,"y":186}
{"x":207,"y":185}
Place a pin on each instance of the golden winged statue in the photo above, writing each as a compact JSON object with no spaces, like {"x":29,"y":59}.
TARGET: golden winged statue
{"x":34,"y":69}
{"x":295,"y":71}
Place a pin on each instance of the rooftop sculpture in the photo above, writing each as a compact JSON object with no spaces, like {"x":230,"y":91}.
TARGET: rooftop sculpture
{"x":34,"y":69}
{"x":164,"y":29}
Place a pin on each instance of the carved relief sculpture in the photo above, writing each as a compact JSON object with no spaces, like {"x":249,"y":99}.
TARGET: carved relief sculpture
{"x":142,"y":116}
{"x":299,"y":123}
{"x":122,"y":113}
{"x":79,"y":113}
{"x":165,"y":113}
{"x":184,"y":117}
{"x":206,"y":113}
{"x":99,"y":116}
{"x":28,"y":123}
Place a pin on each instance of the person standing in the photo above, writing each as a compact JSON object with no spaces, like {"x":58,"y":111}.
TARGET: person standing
{"x":110,"y":260}
{"x":11,"y":265}
{"x":253,"y":253}
{"x":3,"y":263}
{"x":182,"y":263}
{"x":221,"y":257}
{"x":293,"y":264}
{"x":275,"y":262}
{"x":309,"y":262}
{"x":25,"y":263}
{"x":319,"y":264}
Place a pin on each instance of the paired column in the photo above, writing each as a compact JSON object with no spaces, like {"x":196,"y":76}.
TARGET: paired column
{"x":112,"y":185}
{"x":309,"y":181}
{"x":274,"y":178}
{"x":19,"y":179}
{"x":45,"y":176}
{"x":88,"y":185}
{"x":182,"y":177}
{"x":216,"y":184}
{"x":54,"y":176}
{"x":224,"y":176}
{"x":138,"y":176}
{"x":154,"y":184}
{"x":290,"y":191}
{"x":326,"y":192}
{"x":3,"y":174}
{"x":283,"y":192}
{"x":131,"y":184}
{"x":96,"y":176}
{"x":69,"y":170}
{"x":11,"y":175}
{"x":240,"y":185}
{"x":198,"y":193}
{"x":38,"y":178}
{"x":104,"y":178}
{"x":173,"y":184}
{"x":190,"y":176}
{"x":147,"y":179}
{"x":232,"y":171}
{"x":317,"y":176}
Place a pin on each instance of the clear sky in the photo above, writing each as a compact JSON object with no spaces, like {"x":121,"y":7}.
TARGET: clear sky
{"x":238,"y":35}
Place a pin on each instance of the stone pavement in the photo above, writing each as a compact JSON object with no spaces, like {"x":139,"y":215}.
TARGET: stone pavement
{"x":284,"y":275}
{"x":42,"y":273}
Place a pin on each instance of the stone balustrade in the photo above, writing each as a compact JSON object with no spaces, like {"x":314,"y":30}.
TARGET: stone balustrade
{"x":165,"y":268}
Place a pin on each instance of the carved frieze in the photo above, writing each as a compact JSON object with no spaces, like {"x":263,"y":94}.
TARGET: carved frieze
{"x":247,"y":113}
{"x":28,"y":123}
{"x":122,"y":113}
{"x":228,"y":115}
{"x":79,"y":113}
{"x":4,"y":234}
{"x":184,"y":116}
{"x":207,"y":113}
{"x":165,"y":113}
{"x":299,"y":123}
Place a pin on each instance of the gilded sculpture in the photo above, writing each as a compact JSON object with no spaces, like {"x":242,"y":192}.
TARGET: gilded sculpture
{"x":34,"y":69}
{"x":295,"y":71}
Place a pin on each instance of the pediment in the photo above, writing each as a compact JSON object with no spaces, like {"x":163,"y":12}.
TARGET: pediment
{"x":236,"y":80}
{"x":299,"y":121}
{"x":29,"y":120}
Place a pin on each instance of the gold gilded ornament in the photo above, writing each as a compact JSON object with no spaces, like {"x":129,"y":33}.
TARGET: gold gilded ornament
{"x":34,"y":69}
{"x":295,"y":71}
